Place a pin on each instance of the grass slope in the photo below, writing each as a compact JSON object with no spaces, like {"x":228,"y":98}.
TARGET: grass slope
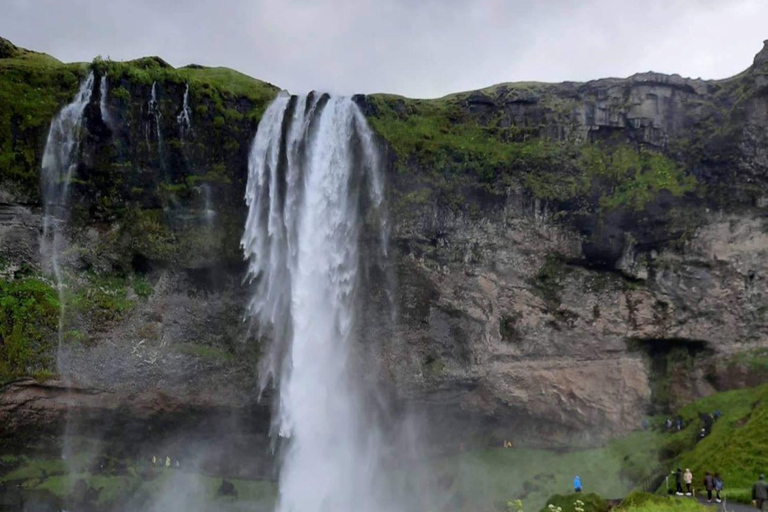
{"x":737,"y":447}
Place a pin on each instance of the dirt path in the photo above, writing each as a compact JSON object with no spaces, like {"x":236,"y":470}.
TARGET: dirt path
{"x":727,"y":505}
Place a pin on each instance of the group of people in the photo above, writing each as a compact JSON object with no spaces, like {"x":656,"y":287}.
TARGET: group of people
{"x":679,"y":423}
{"x":712,"y":483}
{"x":168,"y":462}
{"x":714,"y":487}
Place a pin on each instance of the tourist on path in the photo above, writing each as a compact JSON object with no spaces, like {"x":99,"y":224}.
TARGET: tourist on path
{"x":679,"y":481}
{"x":709,"y":485}
{"x":577,"y":484}
{"x":718,"y":486}
{"x":760,"y":494}
{"x":688,"y":477}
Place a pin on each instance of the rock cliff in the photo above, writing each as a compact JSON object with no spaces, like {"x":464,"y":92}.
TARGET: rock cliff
{"x":568,"y":257}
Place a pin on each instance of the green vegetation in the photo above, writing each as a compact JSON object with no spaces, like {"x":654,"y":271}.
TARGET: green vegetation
{"x":135,"y":482}
{"x":29,"y":311}
{"x":213,"y":84}
{"x":644,"y":502}
{"x":449,"y":150}
{"x":103,"y":297}
{"x":33,"y":86}
{"x":488,"y":479}
{"x":736,"y":447}
{"x":207,"y":352}
{"x":584,"y":502}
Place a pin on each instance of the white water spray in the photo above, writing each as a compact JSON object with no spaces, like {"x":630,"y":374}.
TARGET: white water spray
{"x":60,"y":159}
{"x":312,"y":166}
{"x":185,"y":118}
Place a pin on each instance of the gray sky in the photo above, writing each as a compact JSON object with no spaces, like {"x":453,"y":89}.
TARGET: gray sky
{"x":419,"y":48}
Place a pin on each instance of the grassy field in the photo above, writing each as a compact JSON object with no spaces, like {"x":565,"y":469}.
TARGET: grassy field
{"x":486,"y":480}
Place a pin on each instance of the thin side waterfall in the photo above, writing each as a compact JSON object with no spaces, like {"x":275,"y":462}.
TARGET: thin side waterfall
{"x":154,"y":111}
{"x":103,"y":108}
{"x":313,"y":185}
{"x":60,"y":159}
{"x":184,"y":119}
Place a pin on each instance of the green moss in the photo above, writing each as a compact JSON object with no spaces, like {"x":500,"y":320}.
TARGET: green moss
{"x":33,"y":87}
{"x":142,"y":287}
{"x":449,"y":150}
{"x":29,"y":311}
{"x":120,"y":93}
{"x":103,"y":298}
{"x":206,"y":352}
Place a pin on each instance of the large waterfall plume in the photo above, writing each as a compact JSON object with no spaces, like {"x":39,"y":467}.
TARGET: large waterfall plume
{"x":313,"y":192}
{"x":60,"y":158}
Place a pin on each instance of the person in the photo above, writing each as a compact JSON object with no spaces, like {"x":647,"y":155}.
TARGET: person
{"x":167,"y":462}
{"x":709,"y":485}
{"x":760,"y":494}
{"x":718,"y":486}
{"x":154,"y":460}
{"x":577,"y":484}
{"x":679,"y":481}
{"x":668,"y":424}
{"x":688,"y":477}
{"x":646,"y":424}
{"x":717,"y":414}
{"x":679,"y":423}
{"x":702,"y":434}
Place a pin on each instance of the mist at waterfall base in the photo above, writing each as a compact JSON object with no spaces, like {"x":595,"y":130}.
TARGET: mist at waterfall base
{"x":316,"y":220}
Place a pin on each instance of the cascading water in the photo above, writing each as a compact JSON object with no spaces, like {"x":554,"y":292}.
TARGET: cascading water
{"x":60,"y":159}
{"x":103,"y":108}
{"x":184,"y":118}
{"x":313,"y":179}
{"x":154,"y":111}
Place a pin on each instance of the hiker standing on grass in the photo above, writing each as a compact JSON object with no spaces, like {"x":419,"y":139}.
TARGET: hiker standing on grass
{"x":718,"y":486}
{"x":709,"y":485}
{"x":679,"y":481}
{"x":760,"y":494}
{"x":577,"y":484}
{"x":688,"y":477}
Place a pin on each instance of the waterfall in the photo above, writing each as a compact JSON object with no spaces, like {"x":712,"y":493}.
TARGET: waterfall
{"x":153,"y":108}
{"x":313,"y":181}
{"x":60,"y":159}
{"x":184,"y":118}
{"x":103,"y":108}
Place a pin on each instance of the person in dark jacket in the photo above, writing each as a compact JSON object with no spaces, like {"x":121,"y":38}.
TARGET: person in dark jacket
{"x":760,"y":494}
{"x":718,"y":481}
{"x":679,"y":481}
{"x":709,"y":485}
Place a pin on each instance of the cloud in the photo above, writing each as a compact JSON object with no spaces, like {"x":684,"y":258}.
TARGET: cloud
{"x":421,"y":48}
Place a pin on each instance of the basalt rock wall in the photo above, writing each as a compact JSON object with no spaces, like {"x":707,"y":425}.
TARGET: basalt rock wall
{"x":568,"y":257}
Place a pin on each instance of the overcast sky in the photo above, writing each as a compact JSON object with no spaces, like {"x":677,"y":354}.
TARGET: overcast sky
{"x":419,"y":48}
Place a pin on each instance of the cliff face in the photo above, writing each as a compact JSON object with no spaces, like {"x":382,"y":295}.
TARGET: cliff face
{"x":568,"y":256}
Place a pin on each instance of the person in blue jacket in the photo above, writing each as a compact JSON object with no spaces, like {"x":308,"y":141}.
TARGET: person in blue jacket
{"x":577,"y":484}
